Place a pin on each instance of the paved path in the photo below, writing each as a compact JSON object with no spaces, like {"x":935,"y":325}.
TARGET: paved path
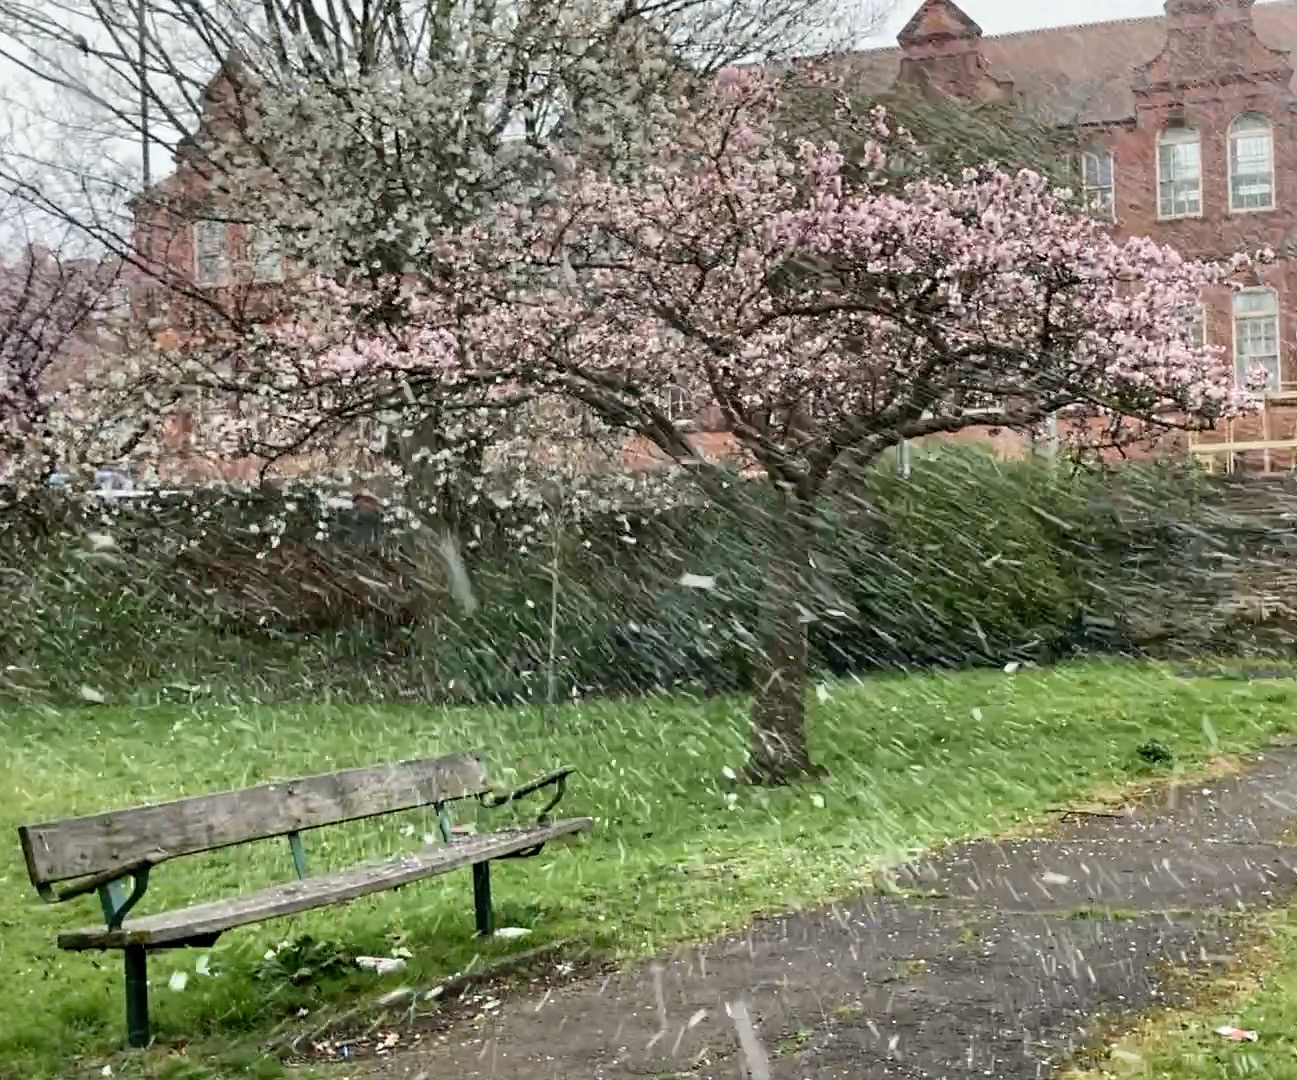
{"x":1006,"y":961}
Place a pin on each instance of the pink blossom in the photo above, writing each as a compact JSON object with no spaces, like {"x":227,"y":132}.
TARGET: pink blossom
{"x":809,"y":307}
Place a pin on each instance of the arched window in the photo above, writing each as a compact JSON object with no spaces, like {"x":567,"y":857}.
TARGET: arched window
{"x":1251,"y":163}
{"x":1179,"y":173}
{"x":1097,"y":191}
{"x":1256,"y":336}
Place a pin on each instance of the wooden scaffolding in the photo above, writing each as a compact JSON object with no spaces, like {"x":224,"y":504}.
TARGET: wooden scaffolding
{"x":1264,"y":444}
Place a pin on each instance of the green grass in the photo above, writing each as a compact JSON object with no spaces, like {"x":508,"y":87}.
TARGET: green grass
{"x":677,"y":853}
{"x":1260,"y":996}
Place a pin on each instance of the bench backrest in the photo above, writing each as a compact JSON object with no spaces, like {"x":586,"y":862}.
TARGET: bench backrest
{"x":119,"y":839}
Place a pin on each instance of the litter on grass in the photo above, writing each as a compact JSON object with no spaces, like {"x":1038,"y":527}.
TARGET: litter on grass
{"x":1236,"y":1034}
{"x":381,"y":965}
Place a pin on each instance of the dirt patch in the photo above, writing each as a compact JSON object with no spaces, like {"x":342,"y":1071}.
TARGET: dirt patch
{"x":404,"y":1018}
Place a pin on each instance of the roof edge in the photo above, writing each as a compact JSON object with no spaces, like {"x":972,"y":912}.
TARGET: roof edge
{"x":1069,"y":27}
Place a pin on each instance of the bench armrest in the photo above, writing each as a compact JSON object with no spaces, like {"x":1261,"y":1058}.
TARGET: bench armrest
{"x":113,"y":897}
{"x":557,"y":779}
{"x":54,"y":895}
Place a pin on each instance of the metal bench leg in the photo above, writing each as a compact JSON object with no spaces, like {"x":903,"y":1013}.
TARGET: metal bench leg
{"x":482,"y":899}
{"x":137,"y":996}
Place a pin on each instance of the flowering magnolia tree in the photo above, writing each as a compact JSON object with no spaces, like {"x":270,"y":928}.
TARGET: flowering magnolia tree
{"x":822,"y":311}
{"x":54,"y":330}
{"x":828,"y":321}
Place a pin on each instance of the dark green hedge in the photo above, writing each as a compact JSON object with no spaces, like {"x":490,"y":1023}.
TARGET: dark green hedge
{"x":969,"y":561}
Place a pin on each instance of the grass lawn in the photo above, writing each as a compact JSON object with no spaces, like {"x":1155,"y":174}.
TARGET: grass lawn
{"x":676,"y":853}
{"x":1184,"y":1045}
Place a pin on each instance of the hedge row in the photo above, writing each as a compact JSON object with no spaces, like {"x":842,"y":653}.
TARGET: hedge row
{"x":969,"y":561}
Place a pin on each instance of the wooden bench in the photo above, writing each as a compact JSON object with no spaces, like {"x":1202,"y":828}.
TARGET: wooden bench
{"x":112,"y":854}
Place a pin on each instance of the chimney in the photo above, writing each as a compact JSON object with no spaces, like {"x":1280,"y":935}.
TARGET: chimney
{"x":940,"y":52}
{"x":1212,"y":43}
{"x":1224,"y":20}
{"x":1205,"y":12}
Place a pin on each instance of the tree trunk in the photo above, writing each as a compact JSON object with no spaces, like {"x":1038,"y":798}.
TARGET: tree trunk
{"x":779,"y":752}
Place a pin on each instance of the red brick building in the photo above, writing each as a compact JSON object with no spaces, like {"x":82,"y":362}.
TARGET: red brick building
{"x":184,"y":234}
{"x":1191,"y":123}
{"x":1190,"y":119}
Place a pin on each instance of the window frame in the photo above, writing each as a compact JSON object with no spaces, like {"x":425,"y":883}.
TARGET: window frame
{"x":1232,"y":136}
{"x":1110,"y":206}
{"x":253,"y":237}
{"x":1195,"y":317}
{"x":1177,"y":136}
{"x":223,"y":251}
{"x":1276,"y":315}
{"x":685,"y":414}
{"x":367,"y":435}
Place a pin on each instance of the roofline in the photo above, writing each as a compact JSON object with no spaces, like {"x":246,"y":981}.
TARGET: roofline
{"x":1066,"y":28}
{"x":1131,"y":21}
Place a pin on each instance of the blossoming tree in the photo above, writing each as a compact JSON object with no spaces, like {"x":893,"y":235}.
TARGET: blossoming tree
{"x":828,"y":321}
{"x":456,"y":98}
{"x":823,"y":311}
{"x":53,"y":331}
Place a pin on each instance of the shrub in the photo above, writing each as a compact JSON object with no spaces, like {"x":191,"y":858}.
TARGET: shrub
{"x":972,"y":560}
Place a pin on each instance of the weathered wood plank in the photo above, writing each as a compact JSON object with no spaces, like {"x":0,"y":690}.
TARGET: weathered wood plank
{"x":60,"y":850}
{"x":168,"y":928}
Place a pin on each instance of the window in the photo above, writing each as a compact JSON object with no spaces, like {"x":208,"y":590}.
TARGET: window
{"x":1251,"y":163}
{"x":1195,"y":318}
{"x":211,"y":257}
{"x":265,"y":254}
{"x":1256,"y":336}
{"x":1096,"y":184}
{"x":677,"y":405}
{"x":1179,"y":173}
{"x":372,"y":435}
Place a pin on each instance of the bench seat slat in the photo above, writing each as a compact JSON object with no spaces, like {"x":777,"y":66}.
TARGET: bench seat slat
{"x":172,"y":927}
